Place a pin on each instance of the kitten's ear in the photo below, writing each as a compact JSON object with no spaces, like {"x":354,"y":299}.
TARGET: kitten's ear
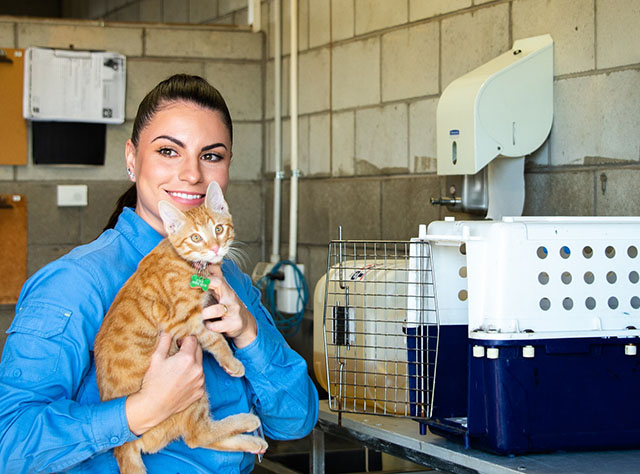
{"x":215,"y":199}
{"x":172,"y":217}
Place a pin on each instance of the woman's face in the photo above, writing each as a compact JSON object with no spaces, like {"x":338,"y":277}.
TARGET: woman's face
{"x":182,"y":149}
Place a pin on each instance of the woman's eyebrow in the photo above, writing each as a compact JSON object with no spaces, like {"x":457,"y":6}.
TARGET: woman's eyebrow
{"x":171,"y":139}
{"x":215,"y":145}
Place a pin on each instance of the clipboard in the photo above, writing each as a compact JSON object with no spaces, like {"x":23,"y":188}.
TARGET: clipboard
{"x":13,"y":127}
{"x":13,"y":246}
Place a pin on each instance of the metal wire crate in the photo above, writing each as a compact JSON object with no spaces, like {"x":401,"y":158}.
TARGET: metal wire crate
{"x":381,"y":327}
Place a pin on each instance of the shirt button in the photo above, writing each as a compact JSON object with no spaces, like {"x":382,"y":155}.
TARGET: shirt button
{"x":227,"y":383}
{"x":114,"y":439}
{"x":17,"y":373}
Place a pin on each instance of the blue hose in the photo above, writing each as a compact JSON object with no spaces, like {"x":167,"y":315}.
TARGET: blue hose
{"x":286,"y":324}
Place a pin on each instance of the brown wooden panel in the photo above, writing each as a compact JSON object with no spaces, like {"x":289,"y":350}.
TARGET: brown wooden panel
{"x":13,"y":128}
{"x":13,"y":246}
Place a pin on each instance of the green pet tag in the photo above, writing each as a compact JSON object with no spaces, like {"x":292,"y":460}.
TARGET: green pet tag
{"x":199,"y":282}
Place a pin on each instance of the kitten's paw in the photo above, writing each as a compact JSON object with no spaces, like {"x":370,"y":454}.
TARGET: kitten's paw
{"x":255,"y":444}
{"x":245,"y":422}
{"x":234,"y":368}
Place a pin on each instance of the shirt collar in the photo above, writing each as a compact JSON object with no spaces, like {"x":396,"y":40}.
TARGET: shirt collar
{"x":141,"y":235}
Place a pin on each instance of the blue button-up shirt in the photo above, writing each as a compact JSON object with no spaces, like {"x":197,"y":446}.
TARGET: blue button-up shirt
{"x":51,"y":417}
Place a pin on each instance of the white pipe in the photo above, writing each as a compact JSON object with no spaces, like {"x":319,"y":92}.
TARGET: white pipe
{"x":277,"y":136}
{"x":293,"y":104}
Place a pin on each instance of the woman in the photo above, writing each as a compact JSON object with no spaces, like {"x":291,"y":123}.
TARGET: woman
{"x":51,"y":417}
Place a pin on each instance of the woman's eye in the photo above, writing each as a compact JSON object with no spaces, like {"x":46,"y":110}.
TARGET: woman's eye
{"x":196,"y":238}
{"x":219,"y":229}
{"x":211,"y":157}
{"x":167,"y":152}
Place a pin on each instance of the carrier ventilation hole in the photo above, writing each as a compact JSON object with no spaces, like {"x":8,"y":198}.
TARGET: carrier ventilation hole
{"x":565,"y":252}
{"x":463,"y":295}
{"x":613,"y":302}
{"x":463,"y":272}
{"x":632,"y":251}
{"x":612,"y":277}
{"x":610,"y":252}
{"x":545,"y":304}
{"x":566,"y":278}
{"x":542,"y":252}
{"x":587,"y":252}
{"x":567,"y":303}
{"x":635,"y":302}
{"x":543,"y":278}
{"x":633,"y":277}
{"x":589,"y":278}
{"x":463,"y":249}
{"x":590,"y":303}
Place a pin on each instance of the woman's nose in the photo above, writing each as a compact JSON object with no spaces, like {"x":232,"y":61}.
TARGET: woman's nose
{"x":190,"y":171}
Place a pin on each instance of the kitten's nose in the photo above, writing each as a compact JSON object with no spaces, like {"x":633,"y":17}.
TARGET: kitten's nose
{"x":215,"y":248}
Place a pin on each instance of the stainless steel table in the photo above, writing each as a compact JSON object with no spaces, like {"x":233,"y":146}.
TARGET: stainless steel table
{"x":401,"y":437}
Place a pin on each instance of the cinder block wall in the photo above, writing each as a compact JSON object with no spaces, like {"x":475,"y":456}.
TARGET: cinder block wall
{"x":230,"y":58}
{"x":372,"y":71}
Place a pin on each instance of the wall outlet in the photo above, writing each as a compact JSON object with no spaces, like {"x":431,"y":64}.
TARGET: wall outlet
{"x":72,"y":195}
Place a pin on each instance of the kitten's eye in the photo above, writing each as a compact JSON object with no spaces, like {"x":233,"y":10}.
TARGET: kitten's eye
{"x":196,"y":237}
{"x":219,"y":229}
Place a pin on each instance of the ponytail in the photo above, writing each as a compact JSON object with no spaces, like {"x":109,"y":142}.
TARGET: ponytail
{"x":128,"y":199}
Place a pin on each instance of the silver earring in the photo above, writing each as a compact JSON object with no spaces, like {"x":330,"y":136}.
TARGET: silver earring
{"x":132,"y":176}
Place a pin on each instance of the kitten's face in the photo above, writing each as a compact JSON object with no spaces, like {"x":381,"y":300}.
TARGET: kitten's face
{"x":202,"y":234}
{"x":205,"y":237}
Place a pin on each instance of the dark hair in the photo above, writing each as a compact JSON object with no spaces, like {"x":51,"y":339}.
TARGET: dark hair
{"x":177,"y":88}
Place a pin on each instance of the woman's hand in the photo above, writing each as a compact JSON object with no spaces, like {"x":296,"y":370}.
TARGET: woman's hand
{"x":170,"y":385}
{"x":230,"y":316}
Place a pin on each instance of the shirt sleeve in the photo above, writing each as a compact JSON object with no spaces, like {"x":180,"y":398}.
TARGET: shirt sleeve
{"x":285,"y":398}
{"x":46,"y":360}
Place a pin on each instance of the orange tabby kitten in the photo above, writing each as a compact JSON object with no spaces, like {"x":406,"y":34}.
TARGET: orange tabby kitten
{"x":167,"y":293}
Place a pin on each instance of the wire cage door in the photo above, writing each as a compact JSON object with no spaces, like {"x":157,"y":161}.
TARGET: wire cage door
{"x":381,"y":327}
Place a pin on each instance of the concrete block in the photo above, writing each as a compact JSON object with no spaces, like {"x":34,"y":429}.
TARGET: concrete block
{"x":539,"y":157}
{"x":151,"y":11}
{"x":144,"y":74}
{"x":47,"y":223}
{"x":129,"y":13}
{"x":223,"y":20}
{"x":471,"y":39}
{"x":374,"y":15}
{"x":6,"y":173}
{"x":570,"y":24}
{"x":405,"y":205}
{"x":621,"y":195}
{"x":247,"y":151}
{"x":382,"y":140}
{"x":480,"y":2}
{"x":7,"y":37}
{"x":343,"y":143}
{"x":596,"y":116}
{"x":617,"y":23}
{"x":228,"y":6}
{"x":355,"y":74}
{"x":202,"y":11}
{"x":314,"y":207}
{"x":241,"y":17}
{"x":240,"y":85}
{"x":355,"y":205}
{"x":567,"y":193}
{"x":421,"y":9}
{"x":314,"y":81}
{"x":342,"y":19}
{"x":122,"y":39}
{"x":175,"y":11}
{"x":422,"y":136}
{"x":94,"y":10}
{"x":319,"y":22}
{"x":319,"y":145}
{"x":203,"y":43}
{"x":318,"y":265}
{"x":410,"y":60}
{"x":244,"y":204}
